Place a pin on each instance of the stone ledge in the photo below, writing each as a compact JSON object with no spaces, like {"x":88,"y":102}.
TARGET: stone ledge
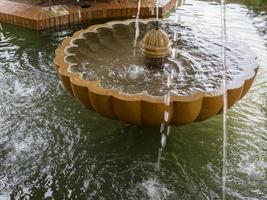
{"x":40,"y":18}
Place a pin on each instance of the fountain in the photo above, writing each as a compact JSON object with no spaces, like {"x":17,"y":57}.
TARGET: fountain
{"x":97,"y":66}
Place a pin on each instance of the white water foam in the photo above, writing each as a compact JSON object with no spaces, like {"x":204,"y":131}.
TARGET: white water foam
{"x":155,"y":190}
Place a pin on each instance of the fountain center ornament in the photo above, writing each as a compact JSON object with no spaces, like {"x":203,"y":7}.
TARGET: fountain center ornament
{"x":156,"y":43}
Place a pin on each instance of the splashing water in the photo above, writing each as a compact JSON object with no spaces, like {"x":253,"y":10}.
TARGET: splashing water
{"x":155,"y":190}
{"x":224,"y":172}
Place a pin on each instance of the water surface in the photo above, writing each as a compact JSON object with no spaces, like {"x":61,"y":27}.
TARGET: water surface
{"x":51,"y":146}
{"x":193,"y":65}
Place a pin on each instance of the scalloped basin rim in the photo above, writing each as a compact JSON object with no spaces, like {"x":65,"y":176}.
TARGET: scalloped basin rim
{"x":144,"y":96}
{"x":143,"y":108}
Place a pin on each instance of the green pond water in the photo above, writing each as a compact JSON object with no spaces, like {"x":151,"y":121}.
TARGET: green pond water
{"x":51,"y":147}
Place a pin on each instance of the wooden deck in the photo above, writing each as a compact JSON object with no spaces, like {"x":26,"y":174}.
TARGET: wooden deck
{"x":39,"y":18}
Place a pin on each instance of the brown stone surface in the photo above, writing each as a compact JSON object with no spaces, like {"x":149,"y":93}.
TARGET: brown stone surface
{"x":39,"y":18}
{"x":144,"y":109}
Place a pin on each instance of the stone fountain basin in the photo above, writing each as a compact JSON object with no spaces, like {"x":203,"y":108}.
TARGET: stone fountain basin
{"x":142,"y":108}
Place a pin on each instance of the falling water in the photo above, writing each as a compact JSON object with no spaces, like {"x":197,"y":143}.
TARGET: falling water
{"x":79,"y":11}
{"x":1,"y":33}
{"x":165,"y":131}
{"x":157,"y":10}
{"x":164,"y":128}
{"x":224,"y":172}
{"x":137,"y":30}
{"x":164,"y":125}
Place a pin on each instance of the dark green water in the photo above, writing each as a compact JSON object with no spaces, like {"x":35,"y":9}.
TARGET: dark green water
{"x":51,"y":147}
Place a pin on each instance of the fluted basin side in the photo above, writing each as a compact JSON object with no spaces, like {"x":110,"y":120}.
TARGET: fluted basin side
{"x":142,"y":108}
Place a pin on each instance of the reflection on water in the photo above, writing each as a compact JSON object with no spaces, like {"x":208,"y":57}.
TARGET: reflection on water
{"x":51,"y":146}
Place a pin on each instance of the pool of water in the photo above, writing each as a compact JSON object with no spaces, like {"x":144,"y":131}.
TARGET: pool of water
{"x":52,"y":147}
{"x":194,"y":64}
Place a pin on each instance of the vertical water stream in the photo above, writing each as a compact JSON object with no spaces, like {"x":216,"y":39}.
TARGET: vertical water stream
{"x":136,"y":27}
{"x":165,"y":128}
{"x":157,"y":10}
{"x":79,"y":11}
{"x":223,"y":35}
